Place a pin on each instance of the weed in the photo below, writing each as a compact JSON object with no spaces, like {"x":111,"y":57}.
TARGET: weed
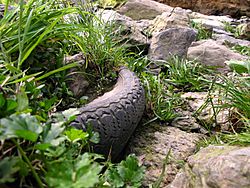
{"x":236,"y":93}
{"x":244,"y":50}
{"x":240,"y":66}
{"x":160,"y":101}
{"x":186,"y":75}
{"x":242,"y":138}
{"x":203,"y":32}
{"x":237,"y":31}
{"x":212,"y":140}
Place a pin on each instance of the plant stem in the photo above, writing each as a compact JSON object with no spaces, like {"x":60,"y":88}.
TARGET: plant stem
{"x":39,"y":182}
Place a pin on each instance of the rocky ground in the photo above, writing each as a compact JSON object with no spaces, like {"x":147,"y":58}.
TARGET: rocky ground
{"x":162,"y":31}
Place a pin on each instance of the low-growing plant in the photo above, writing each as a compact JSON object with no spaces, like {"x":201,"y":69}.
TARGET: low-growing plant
{"x":236,"y":94}
{"x":203,"y":32}
{"x":50,"y":154}
{"x":212,"y":140}
{"x":244,"y":50}
{"x":234,"y":29}
{"x":242,"y":138}
{"x":186,"y":75}
{"x":159,"y":99}
{"x":240,"y":66}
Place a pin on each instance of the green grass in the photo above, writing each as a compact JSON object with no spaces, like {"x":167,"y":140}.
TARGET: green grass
{"x":38,"y":147}
{"x":186,"y":75}
{"x":203,"y":32}
{"x":244,"y":50}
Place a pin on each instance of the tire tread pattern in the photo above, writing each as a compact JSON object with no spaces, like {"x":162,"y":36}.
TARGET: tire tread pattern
{"x":115,"y":115}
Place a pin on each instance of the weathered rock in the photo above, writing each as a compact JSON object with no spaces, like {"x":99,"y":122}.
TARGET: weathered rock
{"x":130,"y":31}
{"x":177,"y":18}
{"x":244,"y":30}
{"x":196,"y":100}
{"x":186,"y":122}
{"x":152,"y":143}
{"x":77,"y":81}
{"x":209,"y":53}
{"x":229,"y":40}
{"x":143,"y":9}
{"x":173,"y":41}
{"x":216,"y":7}
{"x":216,"y":22}
{"x":216,"y":166}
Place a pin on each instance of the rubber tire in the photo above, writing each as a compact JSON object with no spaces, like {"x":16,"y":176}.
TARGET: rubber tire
{"x":115,"y":115}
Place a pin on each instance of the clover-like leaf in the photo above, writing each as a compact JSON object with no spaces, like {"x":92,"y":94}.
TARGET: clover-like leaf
{"x":127,"y":173}
{"x":52,"y":134}
{"x":8,"y":168}
{"x":82,"y":172}
{"x":75,"y":135}
{"x":23,"y":126}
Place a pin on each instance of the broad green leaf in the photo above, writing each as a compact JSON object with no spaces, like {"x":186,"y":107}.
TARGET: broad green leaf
{"x":75,"y":135}
{"x":115,"y":178}
{"x":11,"y":104}
{"x":8,"y":168}
{"x":51,"y":134}
{"x":2,"y":100}
{"x":42,"y":147}
{"x":239,"y":66}
{"x":128,"y":171}
{"x":21,"y":126}
{"x":56,"y":151}
{"x":22,"y":100}
{"x":82,"y":172}
{"x":94,"y":137}
{"x":70,"y":114}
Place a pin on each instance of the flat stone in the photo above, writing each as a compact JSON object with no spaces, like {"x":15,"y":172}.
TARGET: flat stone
{"x":173,"y":41}
{"x":143,"y":9}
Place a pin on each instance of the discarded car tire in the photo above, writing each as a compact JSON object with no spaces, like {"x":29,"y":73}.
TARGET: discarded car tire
{"x":114,"y":115}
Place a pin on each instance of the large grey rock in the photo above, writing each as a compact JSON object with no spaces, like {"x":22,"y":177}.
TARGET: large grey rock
{"x":177,"y":18}
{"x":130,"y":31}
{"x":210,"y":53}
{"x":216,"y":166}
{"x":143,"y":9}
{"x":151,"y":144}
{"x":173,"y":41}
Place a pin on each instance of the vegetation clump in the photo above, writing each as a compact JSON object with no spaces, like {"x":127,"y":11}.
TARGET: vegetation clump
{"x":38,"y":147}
